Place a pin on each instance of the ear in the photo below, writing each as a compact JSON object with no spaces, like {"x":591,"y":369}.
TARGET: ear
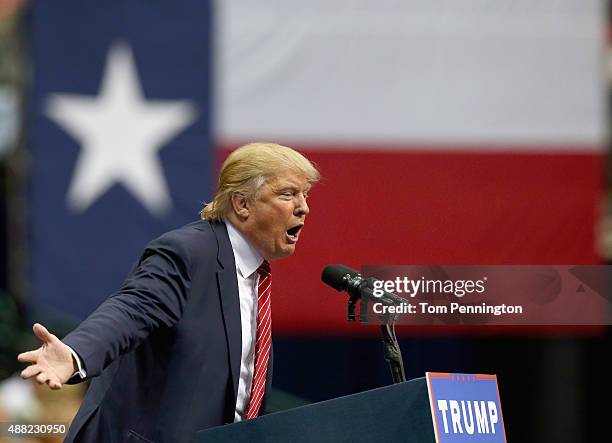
{"x":240,"y":205}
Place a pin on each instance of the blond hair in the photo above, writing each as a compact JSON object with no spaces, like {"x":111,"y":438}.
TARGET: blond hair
{"x":247,"y":168}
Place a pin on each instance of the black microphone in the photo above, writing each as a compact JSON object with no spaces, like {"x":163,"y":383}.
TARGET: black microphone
{"x":338,"y":277}
{"x":343,"y":278}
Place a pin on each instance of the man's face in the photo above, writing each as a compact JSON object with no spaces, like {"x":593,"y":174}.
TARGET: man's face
{"x":275,"y":220}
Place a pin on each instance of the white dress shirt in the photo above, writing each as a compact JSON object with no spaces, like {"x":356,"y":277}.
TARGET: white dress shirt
{"x":247,"y":261}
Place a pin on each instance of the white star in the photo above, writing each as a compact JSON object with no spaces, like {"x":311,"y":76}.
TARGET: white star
{"x":120,"y":133}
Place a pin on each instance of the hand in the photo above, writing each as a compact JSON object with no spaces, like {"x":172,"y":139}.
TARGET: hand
{"x":52,"y":363}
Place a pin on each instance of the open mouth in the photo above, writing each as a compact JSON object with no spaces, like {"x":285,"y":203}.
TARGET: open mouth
{"x":294,"y":232}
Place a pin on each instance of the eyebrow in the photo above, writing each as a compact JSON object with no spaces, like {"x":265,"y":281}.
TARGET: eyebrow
{"x":290,"y":186}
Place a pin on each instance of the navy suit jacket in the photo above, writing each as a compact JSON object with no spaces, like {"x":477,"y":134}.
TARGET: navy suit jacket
{"x":164,"y":351}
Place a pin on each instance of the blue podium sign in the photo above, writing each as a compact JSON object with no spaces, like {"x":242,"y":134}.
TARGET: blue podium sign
{"x":465,"y":408}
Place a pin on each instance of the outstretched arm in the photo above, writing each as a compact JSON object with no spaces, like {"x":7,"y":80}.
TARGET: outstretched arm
{"x":153,"y":296}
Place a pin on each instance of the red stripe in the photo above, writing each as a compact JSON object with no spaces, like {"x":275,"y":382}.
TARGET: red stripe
{"x":423,"y":207}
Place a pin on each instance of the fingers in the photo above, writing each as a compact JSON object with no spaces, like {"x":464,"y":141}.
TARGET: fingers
{"x":43,"y":334}
{"x":30,"y":371}
{"x":42,"y":378}
{"x":50,"y":380}
{"x":28,"y":357}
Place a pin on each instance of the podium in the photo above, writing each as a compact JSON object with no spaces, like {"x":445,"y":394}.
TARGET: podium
{"x":395,"y":413}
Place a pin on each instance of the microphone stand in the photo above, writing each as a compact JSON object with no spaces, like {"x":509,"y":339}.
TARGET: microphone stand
{"x":392,"y":351}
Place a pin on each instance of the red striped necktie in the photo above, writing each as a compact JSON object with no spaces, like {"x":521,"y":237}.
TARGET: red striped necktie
{"x":263,"y":340}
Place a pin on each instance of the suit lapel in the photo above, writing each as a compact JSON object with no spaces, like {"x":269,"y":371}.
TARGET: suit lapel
{"x":230,"y":301}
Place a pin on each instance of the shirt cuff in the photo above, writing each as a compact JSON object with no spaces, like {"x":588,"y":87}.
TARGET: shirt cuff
{"x":80,"y":372}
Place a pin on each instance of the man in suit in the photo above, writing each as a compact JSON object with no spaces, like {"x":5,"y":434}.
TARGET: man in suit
{"x":185,"y":343}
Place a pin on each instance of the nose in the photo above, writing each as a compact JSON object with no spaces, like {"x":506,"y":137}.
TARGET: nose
{"x":301,"y":207}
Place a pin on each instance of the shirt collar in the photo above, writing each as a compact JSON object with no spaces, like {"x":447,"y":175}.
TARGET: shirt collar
{"x":248,"y":259}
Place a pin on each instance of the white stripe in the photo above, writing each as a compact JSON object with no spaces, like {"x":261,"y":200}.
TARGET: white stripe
{"x":262,"y":356}
{"x":258,"y":390}
{"x":264,"y":326}
{"x":265,"y":291}
{"x":266,"y":344}
{"x":261,"y":328}
{"x":267,"y":294}
{"x":256,"y":400}
{"x":266,"y":297}
{"x":260,"y":337}
{"x":259,"y":381}
{"x":250,"y":412}
{"x":265,"y":316}
{"x":429,"y":53}
{"x":266,"y":355}
{"x":263,"y":310}
{"x":261,"y":333}
{"x":262,"y":348}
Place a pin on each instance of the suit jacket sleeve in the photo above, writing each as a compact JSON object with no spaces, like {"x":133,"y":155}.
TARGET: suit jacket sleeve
{"x":153,"y":296}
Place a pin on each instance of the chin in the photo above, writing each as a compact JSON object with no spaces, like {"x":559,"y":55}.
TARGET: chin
{"x":283,"y":254}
